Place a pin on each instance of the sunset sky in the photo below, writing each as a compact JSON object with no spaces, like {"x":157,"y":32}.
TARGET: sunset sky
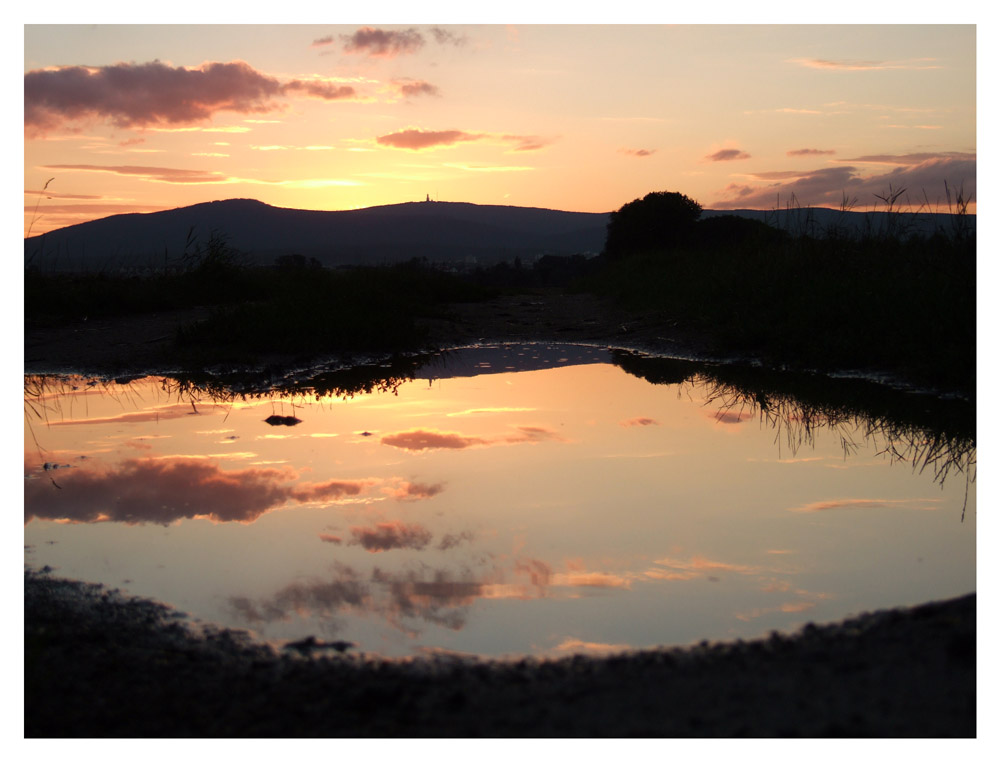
{"x":579,"y":118}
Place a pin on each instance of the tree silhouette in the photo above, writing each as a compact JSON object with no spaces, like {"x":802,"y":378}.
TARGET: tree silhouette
{"x":660,"y":221}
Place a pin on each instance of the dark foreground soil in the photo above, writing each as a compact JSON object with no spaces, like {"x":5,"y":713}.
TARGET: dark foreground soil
{"x":98,"y":664}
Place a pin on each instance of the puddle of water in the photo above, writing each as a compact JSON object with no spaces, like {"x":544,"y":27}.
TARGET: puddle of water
{"x":510,"y":500}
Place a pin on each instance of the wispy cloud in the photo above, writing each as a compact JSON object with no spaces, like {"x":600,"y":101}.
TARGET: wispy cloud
{"x":637,"y":152}
{"x":415,"y":139}
{"x":911,"y":159}
{"x":158,"y":174}
{"x":923,"y":504}
{"x":917,"y":172}
{"x":417,"y":440}
{"x":410,"y":88}
{"x":697,"y":566}
{"x":575,"y":645}
{"x":809,"y":152}
{"x":418,"y":140}
{"x":328,"y":91}
{"x":409,"y":491}
{"x":641,"y":421}
{"x":447,"y":37}
{"x":728,"y":154}
{"x":845,"y":65}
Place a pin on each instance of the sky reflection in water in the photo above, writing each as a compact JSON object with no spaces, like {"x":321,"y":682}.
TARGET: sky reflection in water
{"x":575,"y":508}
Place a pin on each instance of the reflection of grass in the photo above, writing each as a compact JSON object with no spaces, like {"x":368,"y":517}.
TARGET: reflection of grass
{"x":936,"y":435}
{"x":874,"y":301}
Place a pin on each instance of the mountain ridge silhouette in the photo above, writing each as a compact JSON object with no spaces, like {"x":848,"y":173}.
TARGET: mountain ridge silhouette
{"x":441,"y":231}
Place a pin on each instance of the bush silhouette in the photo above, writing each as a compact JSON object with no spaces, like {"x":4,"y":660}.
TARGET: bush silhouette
{"x":658,"y":221}
{"x":732,"y":231}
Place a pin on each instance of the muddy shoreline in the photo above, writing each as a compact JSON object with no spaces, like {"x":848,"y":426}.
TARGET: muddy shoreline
{"x":145,"y":343}
{"x":99,"y":664}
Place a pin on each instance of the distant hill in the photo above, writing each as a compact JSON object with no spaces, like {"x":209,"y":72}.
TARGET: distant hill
{"x":439,"y":231}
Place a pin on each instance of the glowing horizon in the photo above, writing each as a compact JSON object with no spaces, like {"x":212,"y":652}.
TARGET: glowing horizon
{"x":142,"y":118}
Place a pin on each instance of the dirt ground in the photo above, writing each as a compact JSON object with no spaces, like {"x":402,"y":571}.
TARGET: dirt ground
{"x":145,"y":342}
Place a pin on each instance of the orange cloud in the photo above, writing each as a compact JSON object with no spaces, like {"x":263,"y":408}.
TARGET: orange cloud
{"x":575,"y":645}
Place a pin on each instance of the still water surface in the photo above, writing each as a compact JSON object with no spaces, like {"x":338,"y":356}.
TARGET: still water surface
{"x":524,"y":499}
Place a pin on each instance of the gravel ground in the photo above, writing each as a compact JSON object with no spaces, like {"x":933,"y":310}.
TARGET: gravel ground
{"x":99,"y":664}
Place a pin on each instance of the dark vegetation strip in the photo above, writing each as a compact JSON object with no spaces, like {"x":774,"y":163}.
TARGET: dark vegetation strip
{"x":877,"y":300}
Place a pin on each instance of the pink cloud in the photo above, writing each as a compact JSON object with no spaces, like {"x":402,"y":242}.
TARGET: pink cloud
{"x":144,"y":95}
{"x":138,"y":491}
{"x":417,"y":140}
{"x":423,"y":439}
{"x":414,"y":139}
{"x":430,"y":440}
